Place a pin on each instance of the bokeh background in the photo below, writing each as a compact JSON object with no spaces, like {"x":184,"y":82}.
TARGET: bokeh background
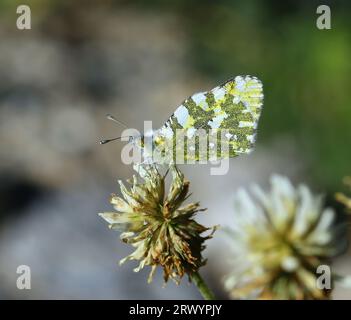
{"x":138,"y":60}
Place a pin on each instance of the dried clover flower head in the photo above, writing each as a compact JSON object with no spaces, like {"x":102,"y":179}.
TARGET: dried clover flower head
{"x":159,"y":225}
{"x":279,"y":241}
{"x":345,"y":200}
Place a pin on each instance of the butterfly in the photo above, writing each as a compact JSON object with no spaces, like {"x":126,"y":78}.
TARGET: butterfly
{"x":211,"y":125}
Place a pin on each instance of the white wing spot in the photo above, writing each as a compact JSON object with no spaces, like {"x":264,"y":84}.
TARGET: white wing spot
{"x":218,"y":93}
{"x":216,"y":121}
{"x":251,"y":138}
{"x":240,"y":83}
{"x":182,"y":115}
{"x":236,"y":99}
{"x":167,"y":132}
{"x":190,"y":132}
{"x":243,"y":124}
{"x":200,"y":100}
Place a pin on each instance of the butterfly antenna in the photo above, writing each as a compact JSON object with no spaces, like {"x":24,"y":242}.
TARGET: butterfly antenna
{"x":112,"y":118}
{"x":109,"y":140}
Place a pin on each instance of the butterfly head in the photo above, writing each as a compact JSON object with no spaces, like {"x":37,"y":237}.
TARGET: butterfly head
{"x":150,"y":146}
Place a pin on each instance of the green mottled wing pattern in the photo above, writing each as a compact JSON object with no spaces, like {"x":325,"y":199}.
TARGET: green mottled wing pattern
{"x":229,"y":112}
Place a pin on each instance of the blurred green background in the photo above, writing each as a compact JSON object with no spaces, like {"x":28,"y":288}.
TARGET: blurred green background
{"x":138,"y":60}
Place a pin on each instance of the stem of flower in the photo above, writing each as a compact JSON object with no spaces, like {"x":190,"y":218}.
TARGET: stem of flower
{"x":202,"y":286}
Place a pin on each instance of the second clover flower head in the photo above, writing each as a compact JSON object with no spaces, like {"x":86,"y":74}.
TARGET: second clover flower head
{"x":279,"y":240}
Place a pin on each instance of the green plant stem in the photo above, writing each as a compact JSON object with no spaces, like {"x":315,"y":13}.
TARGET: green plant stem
{"x":202,"y":286}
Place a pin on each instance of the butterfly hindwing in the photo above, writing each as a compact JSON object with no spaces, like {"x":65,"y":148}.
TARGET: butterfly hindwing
{"x":228,"y":114}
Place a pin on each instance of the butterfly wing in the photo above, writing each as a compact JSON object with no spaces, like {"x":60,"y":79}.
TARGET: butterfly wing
{"x":228,"y":114}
